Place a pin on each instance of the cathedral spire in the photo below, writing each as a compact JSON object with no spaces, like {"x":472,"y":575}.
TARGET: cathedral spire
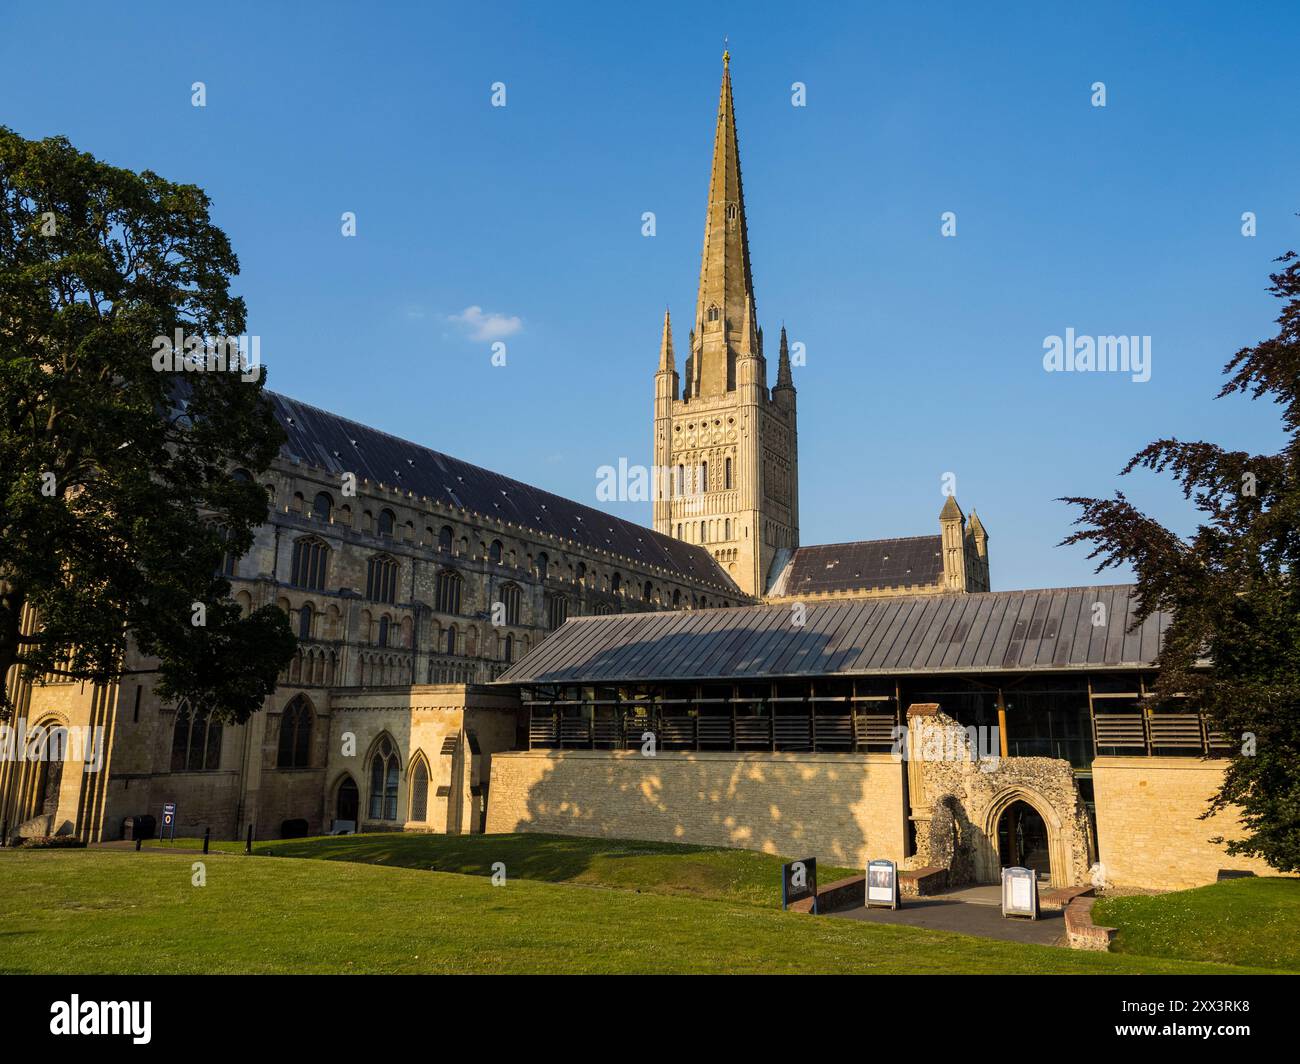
{"x":726,"y":296}
{"x":667,"y":362}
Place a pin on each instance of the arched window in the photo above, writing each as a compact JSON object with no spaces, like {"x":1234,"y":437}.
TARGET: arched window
{"x":557,"y":611}
{"x":304,"y":623}
{"x":444,"y":539}
{"x":726,"y":525}
{"x":582,"y":573}
{"x":603,"y":609}
{"x":387,"y":519}
{"x":647,"y":591}
{"x":704,"y":476}
{"x":726,"y":473}
{"x":228,"y":557}
{"x":420,"y":791}
{"x":196,"y":741}
{"x":295,"y":735}
{"x":510,"y":648}
{"x":615,"y":584}
{"x":383,"y":631}
{"x":704,"y":533}
{"x":494,"y":552}
{"x":322,"y":506}
{"x":381,"y":579}
{"x":543,"y":563}
{"x":448,"y":592}
{"x":677,"y":597}
{"x":681,"y":480}
{"x":383,"y":782}
{"x":310,"y":556}
{"x":511,"y":597}
{"x":714,"y":312}
{"x":451,"y":640}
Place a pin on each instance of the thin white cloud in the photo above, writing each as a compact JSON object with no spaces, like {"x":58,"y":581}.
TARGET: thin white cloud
{"x":483,"y":326}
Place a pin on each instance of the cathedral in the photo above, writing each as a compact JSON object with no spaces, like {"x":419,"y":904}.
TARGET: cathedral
{"x":477,"y":654}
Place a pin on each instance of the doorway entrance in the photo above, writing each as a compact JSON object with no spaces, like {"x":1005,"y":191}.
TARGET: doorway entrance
{"x":1023,"y":841}
{"x":349,"y":801}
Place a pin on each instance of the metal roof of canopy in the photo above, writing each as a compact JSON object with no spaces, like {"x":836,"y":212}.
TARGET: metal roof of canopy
{"x":1047,"y":630}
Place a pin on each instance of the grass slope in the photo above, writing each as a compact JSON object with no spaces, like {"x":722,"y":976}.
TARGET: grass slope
{"x":1254,"y":922}
{"x":119,"y":912}
{"x":740,"y":876}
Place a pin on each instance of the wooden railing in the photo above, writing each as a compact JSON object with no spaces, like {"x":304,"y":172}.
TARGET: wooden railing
{"x":1137,"y":729}
{"x":786,"y":729}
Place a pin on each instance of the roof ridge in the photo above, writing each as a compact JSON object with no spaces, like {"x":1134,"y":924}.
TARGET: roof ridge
{"x":859,"y":542}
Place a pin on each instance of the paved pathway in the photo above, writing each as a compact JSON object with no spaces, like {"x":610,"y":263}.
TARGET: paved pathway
{"x":971,"y":911}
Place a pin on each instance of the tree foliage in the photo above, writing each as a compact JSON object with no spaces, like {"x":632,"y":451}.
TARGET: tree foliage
{"x":1234,"y":642}
{"x":118,"y":493}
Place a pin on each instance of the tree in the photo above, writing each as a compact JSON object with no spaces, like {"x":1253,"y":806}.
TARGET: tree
{"x":1233,"y":645}
{"x":119,"y":490}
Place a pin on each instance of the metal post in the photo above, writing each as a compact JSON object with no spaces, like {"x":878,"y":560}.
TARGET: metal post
{"x":248,"y":845}
{"x":207,"y":834}
{"x":139,"y":841}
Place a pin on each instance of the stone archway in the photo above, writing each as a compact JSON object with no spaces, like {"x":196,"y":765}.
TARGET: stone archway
{"x":988,"y":867}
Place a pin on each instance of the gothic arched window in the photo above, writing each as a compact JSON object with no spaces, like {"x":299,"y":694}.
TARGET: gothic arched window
{"x":295,"y":735}
{"x":726,"y":473}
{"x":381,"y":579}
{"x":420,"y":791}
{"x":494,"y":552}
{"x":444,"y":539}
{"x":714,"y":312}
{"x":387,"y":519}
{"x":383,"y":782}
{"x":310,"y":556}
{"x":557,"y":611}
{"x":304,"y":623}
{"x":511,"y":597}
{"x":196,"y":741}
{"x":322,"y":506}
{"x":383,"y":631}
{"x":448,"y":592}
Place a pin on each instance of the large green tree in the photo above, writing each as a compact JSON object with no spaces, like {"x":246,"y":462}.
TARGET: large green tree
{"x":1233,"y":645}
{"x":118,"y":488}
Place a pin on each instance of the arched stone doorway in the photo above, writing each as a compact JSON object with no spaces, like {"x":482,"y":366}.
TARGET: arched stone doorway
{"x":1020,"y":826}
{"x":1022,"y":839}
{"x":347,"y":803}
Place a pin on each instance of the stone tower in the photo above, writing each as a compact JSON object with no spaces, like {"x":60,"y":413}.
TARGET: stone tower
{"x":725,"y":445}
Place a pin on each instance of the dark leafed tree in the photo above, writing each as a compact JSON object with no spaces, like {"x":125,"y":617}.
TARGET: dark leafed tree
{"x":1234,"y":643}
{"x":118,"y":488}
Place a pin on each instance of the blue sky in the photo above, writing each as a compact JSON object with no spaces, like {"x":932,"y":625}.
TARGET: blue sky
{"x":924,"y":352}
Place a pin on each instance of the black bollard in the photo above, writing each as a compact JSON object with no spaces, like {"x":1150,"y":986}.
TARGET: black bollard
{"x":248,"y":846}
{"x":4,"y":834}
{"x":207,"y":834}
{"x":139,"y":841}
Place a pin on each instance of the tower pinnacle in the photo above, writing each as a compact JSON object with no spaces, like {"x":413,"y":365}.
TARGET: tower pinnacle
{"x":667,"y":362}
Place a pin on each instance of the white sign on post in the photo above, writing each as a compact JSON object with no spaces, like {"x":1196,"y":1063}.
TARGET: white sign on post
{"x":1020,"y":892}
{"x":882,"y":884}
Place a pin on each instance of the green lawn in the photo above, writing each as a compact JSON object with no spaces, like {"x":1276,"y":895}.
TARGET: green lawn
{"x":1253,"y":922}
{"x":740,"y":876}
{"x":91,"y":911}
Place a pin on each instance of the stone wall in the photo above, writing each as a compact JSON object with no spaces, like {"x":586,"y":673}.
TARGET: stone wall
{"x":840,"y":808}
{"x":1148,"y":826}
